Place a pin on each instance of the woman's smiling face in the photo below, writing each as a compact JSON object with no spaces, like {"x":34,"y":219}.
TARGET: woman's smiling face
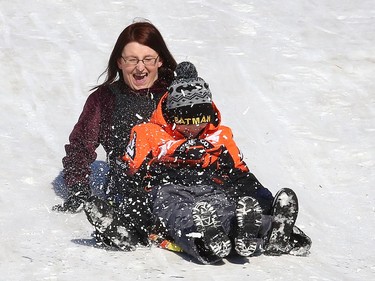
{"x":139,"y":76}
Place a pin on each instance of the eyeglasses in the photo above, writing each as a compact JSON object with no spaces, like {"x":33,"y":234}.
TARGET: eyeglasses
{"x":146,"y":61}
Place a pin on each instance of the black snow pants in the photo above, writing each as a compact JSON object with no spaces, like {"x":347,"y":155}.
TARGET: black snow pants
{"x":173,"y":205}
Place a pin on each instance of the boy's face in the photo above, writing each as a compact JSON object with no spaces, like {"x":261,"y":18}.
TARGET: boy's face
{"x":190,"y":131}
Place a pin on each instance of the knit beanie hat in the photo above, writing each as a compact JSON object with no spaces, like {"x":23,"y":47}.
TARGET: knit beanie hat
{"x":189,"y":100}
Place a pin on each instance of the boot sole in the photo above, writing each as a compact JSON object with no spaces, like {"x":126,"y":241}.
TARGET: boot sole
{"x":208,"y":224}
{"x":249,"y":218}
{"x":285,"y":212}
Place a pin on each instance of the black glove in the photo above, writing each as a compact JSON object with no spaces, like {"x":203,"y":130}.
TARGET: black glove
{"x":78,"y":196}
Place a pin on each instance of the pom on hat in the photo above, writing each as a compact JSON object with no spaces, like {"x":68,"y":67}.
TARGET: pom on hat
{"x":186,"y":70}
{"x":189,"y":100}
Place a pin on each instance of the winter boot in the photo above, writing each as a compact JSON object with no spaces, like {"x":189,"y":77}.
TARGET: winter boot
{"x":209,"y":225}
{"x":249,"y":219}
{"x":284,"y":211}
{"x":301,"y":243}
{"x":114,"y":229}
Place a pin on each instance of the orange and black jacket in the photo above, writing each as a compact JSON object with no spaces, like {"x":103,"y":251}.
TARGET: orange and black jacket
{"x":157,"y":154}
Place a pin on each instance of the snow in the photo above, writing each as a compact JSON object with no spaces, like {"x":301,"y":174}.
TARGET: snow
{"x":293,"y":79}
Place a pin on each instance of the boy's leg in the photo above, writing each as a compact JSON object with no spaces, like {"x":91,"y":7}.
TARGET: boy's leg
{"x":173,"y":205}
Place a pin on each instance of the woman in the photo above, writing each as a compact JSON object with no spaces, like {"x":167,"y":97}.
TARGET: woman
{"x":139,"y":71}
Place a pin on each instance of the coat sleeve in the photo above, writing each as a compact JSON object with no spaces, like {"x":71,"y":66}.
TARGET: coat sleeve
{"x":232,"y":156}
{"x":144,"y":146}
{"x":83,"y":141}
{"x":245,"y":182}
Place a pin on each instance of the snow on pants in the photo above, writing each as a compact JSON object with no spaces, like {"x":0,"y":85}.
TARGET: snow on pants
{"x":173,"y":204}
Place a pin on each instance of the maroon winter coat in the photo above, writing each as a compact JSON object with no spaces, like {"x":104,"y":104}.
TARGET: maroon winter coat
{"x":107,"y":118}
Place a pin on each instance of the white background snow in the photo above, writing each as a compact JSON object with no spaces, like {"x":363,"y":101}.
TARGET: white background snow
{"x":294,"y":80}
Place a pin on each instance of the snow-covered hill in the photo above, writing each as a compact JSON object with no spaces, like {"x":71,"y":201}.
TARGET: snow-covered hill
{"x":294,"y":80}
